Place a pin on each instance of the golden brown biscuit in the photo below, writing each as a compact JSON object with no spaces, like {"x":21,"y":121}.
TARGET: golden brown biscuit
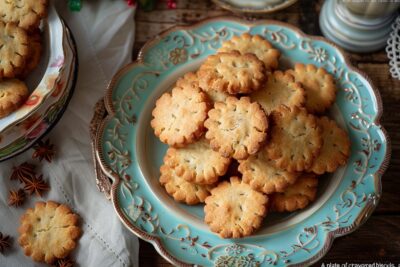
{"x":178,"y":118}
{"x":13,"y":94}
{"x":232,"y":73}
{"x":280,"y":89}
{"x":262,"y":175}
{"x":297,"y":196}
{"x":25,"y":13}
{"x":14,"y":50}
{"x":35,"y":52}
{"x":256,"y":45}
{"x":197,"y":162}
{"x":234,"y":209}
{"x":335,"y":149}
{"x":295,"y":139}
{"x":191,"y":79}
{"x":48,"y":232}
{"x":182,"y":190}
{"x":236,"y":128}
{"x":318,"y":84}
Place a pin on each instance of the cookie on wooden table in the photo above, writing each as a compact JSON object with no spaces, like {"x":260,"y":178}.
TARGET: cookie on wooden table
{"x":234,"y":209}
{"x":262,"y":175}
{"x":237,"y":127}
{"x":13,"y":94}
{"x":48,"y":232}
{"x":232,"y":73}
{"x":296,"y":196}
{"x":197,"y":162}
{"x":280,"y":89}
{"x":191,"y":79}
{"x":178,"y":118}
{"x":318,"y":84}
{"x":295,"y":139}
{"x":182,"y":190}
{"x":24,"y":13}
{"x":14,"y":50}
{"x":256,"y":45}
{"x":335,"y":149}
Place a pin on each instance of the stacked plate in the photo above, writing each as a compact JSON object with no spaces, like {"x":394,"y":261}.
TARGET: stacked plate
{"x":51,"y":86}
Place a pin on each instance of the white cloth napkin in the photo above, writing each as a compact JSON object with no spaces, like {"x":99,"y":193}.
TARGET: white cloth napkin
{"x":104,"y":32}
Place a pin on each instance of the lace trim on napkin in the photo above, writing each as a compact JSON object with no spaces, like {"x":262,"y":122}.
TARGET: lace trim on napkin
{"x":393,"y":49}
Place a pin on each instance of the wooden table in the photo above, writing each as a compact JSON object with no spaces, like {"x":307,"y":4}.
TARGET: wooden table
{"x":379,"y":239}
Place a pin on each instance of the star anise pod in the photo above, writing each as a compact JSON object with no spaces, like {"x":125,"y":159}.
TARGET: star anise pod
{"x":36,"y":185}
{"x":44,"y":150}
{"x":5,"y":242}
{"x":67,"y":262}
{"x":16,"y":197}
{"x":23,"y":172}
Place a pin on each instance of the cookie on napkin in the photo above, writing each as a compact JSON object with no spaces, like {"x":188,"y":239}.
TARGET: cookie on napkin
{"x":48,"y":232}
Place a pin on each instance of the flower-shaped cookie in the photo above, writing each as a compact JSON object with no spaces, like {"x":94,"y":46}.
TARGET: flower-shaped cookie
{"x":179,"y":116}
{"x":232,"y":73}
{"x":318,"y":84}
{"x":236,"y":128}
{"x":25,"y":13}
{"x":256,"y":45}
{"x":14,"y":49}
{"x":261,"y":174}
{"x":182,"y":190}
{"x":295,"y":139}
{"x":297,"y":196}
{"x":197,"y":162}
{"x":335,"y":149}
{"x":234,"y":209}
{"x":49,"y":231}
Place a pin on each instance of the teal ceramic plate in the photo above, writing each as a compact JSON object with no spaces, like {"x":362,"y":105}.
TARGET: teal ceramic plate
{"x":131,"y":155}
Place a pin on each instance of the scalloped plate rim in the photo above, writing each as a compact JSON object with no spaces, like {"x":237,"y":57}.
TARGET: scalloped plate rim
{"x":255,"y":11}
{"x":155,"y":241}
{"x":42,"y":81}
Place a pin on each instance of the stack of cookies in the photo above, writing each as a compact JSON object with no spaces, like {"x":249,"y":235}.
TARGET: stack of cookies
{"x":20,"y":49}
{"x":246,"y":138}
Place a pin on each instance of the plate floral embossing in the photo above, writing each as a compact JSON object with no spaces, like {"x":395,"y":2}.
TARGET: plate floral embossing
{"x":130,"y":155}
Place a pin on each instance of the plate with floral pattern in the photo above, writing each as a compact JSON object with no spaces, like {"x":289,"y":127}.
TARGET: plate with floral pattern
{"x":24,"y":134}
{"x":130,"y":154}
{"x":42,"y":81}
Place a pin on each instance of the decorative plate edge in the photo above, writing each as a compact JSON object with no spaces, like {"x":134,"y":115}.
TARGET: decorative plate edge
{"x":250,"y":11}
{"x":362,"y":217}
{"x":43,"y":99}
